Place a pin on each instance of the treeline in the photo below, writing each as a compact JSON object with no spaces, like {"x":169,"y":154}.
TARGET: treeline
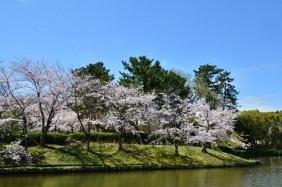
{"x":261,"y":129}
{"x":213,"y":84}
{"x":209,"y":82}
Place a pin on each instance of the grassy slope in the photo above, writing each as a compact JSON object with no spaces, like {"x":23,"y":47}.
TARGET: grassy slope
{"x":161,"y":156}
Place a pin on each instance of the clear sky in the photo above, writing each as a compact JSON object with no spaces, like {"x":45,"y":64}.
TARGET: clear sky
{"x":243,"y":36}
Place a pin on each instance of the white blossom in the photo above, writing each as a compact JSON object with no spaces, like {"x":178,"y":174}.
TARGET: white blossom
{"x":14,"y":153}
{"x":175,"y":126}
{"x":127,"y":107}
{"x":211,"y":125}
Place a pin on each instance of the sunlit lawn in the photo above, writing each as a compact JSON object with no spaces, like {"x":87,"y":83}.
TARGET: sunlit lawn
{"x":109,"y":155}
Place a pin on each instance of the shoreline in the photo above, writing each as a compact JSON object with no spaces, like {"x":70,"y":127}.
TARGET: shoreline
{"x":60,"y":169}
{"x":254,"y":153}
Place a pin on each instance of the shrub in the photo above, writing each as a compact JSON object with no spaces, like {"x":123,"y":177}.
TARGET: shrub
{"x":56,"y":138}
{"x":104,"y":136}
{"x":51,"y":138}
{"x":79,"y":136}
{"x":59,"y":138}
{"x":141,"y":137}
{"x":97,"y":136}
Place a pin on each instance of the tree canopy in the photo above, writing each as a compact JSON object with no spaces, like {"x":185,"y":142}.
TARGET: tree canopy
{"x":216,"y":86}
{"x":261,"y":128}
{"x":95,"y":70}
{"x":148,"y":73}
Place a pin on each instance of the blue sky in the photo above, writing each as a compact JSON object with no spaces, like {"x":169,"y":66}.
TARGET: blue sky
{"x":243,"y":36}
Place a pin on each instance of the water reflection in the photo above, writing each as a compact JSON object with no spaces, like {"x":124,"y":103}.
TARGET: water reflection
{"x":269,"y":174}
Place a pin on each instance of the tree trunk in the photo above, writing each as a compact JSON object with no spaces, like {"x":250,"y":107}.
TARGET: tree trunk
{"x":120,"y":141}
{"x":204,"y":150}
{"x":43,"y":137}
{"x":176,"y":152}
{"x":25,"y":139}
{"x":87,"y":138}
{"x":88,"y":144}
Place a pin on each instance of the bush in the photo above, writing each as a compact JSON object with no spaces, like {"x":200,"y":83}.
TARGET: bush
{"x":10,"y":137}
{"x":78,"y":136}
{"x":51,"y":138}
{"x":59,"y":138}
{"x":33,"y":138}
{"x":141,"y":137}
{"x":56,"y":138}
{"x":97,"y":136}
{"x":104,"y":137}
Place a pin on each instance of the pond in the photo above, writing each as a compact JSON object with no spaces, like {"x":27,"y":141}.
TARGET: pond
{"x":268,"y":174}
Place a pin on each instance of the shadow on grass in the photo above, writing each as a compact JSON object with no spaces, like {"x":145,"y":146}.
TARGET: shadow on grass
{"x":194,"y":157}
{"x":107,"y":159}
{"x":102,"y":155}
{"x":75,"y":152}
{"x":156,"y":156}
{"x":222,"y":158}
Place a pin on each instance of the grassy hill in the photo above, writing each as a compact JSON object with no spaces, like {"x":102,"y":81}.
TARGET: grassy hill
{"x":107,"y":157}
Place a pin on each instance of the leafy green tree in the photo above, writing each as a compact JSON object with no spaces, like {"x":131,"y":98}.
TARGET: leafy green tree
{"x":227,"y":91}
{"x":174,"y":83}
{"x":261,"y":128}
{"x":205,"y":84}
{"x":96,"y":70}
{"x":142,"y":71}
{"x":148,"y":73}
{"x":215,"y":85}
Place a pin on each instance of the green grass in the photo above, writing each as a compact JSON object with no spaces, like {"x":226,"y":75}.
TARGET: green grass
{"x":108,"y":155}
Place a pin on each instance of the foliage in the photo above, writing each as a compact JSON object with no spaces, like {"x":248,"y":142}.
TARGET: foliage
{"x":96,"y":136}
{"x":148,"y":73}
{"x":44,"y":100}
{"x":95,"y":71}
{"x":215,"y":86}
{"x":62,"y":138}
{"x":34,"y":138}
{"x":261,"y":128}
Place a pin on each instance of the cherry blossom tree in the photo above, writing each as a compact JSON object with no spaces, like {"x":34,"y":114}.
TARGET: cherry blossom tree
{"x":14,"y":97}
{"x":4,"y":96}
{"x":175,"y":126}
{"x":88,"y":103}
{"x":211,"y":125}
{"x":48,"y":87}
{"x":127,"y":108}
{"x":65,"y":121}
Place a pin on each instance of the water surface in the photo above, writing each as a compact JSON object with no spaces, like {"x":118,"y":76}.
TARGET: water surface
{"x":268,"y":174}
